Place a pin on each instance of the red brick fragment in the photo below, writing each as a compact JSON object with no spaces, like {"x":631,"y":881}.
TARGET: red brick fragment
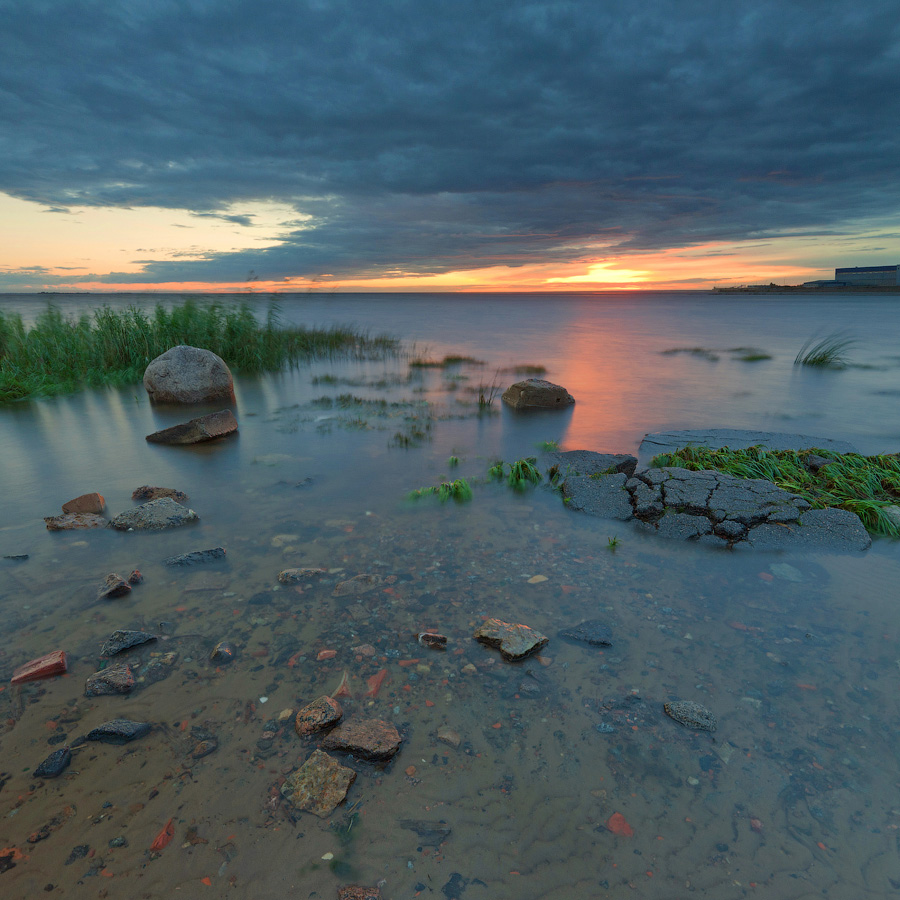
{"x":43,"y":667}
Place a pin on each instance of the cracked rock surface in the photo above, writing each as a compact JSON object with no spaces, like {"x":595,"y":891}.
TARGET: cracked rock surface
{"x":716,"y":509}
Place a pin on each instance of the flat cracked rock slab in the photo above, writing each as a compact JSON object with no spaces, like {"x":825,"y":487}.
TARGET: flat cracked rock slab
{"x":74,"y":522}
{"x":716,"y":509}
{"x":197,"y":431}
{"x":514,"y":641}
{"x":155,"y":515}
{"x":372,"y":739}
{"x":736,"y":439}
{"x":588,"y":462}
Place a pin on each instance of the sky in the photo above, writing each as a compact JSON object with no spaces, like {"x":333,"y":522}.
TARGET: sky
{"x":294,"y":145}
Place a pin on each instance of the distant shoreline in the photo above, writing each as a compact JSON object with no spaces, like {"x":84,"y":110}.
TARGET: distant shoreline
{"x":803,"y":289}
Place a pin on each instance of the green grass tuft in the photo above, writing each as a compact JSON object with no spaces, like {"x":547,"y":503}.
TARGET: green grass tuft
{"x":829,"y":352}
{"x":457,"y":490}
{"x":59,"y":355}
{"x":865,"y":485}
{"x":548,"y":446}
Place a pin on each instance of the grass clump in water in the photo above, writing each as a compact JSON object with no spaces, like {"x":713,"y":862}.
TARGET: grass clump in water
{"x":457,"y":490}
{"x":827,"y":353}
{"x":58,"y":355}
{"x":865,"y":485}
{"x":521,"y":474}
{"x":548,"y":446}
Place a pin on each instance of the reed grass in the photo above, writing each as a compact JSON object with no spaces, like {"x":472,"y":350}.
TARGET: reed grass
{"x":457,"y":490}
{"x":865,"y":485}
{"x":828,"y":353}
{"x":59,"y":355}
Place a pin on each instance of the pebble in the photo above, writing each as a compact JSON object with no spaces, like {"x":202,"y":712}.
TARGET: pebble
{"x":54,"y":764}
{"x":223,"y":652}
{"x":691,"y":715}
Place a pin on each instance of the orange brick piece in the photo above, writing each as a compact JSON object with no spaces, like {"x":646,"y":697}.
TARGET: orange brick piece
{"x":86,"y":503}
{"x":43,"y":667}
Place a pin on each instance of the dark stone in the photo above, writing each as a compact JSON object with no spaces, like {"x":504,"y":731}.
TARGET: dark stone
{"x":197,"y":431}
{"x":54,"y":764}
{"x":114,"y":680}
{"x":195,"y":557}
{"x":114,"y":586}
{"x":154,"y":515}
{"x":17,"y":557}
{"x":691,"y":715}
{"x":125,"y":640}
{"x":536,"y":393}
{"x":372,"y":739}
{"x":79,"y":852}
{"x":431,"y":834}
{"x":118,"y":731}
{"x":146,"y":492}
{"x":593,"y":632}
{"x":223,"y":652}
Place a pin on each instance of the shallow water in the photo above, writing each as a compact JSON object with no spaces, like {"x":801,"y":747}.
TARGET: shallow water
{"x":794,"y":794}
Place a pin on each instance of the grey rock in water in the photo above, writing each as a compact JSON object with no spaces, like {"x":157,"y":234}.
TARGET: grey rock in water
{"x":154,"y":516}
{"x":514,"y":641}
{"x":120,"y":641}
{"x":536,"y":393}
{"x":195,"y":557}
{"x":295,"y":576}
{"x":371,"y":739}
{"x":74,"y":522}
{"x":197,"y":431}
{"x":55,"y":764}
{"x":187,"y":374}
{"x":319,"y":786}
{"x":118,"y":731}
{"x":113,"y":680}
{"x":593,"y":632}
{"x":691,"y":715}
{"x":148,"y":492}
{"x":113,"y":586}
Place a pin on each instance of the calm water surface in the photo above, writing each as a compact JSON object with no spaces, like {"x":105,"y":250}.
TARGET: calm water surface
{"x":794,"y":795}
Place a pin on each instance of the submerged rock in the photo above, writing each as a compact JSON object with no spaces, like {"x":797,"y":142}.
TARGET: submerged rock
{"x":593,"y":632}
{"x":536,"y":393}
{"x":54,"y":764}
{"x":146,"y":492}
{"x":691,"y":715}
{"x":118,"y":731}
{"x":197,"y":431}
{"x":113,"y":586}
{"x":295,"y":576}
{"x":187,"y":374}
{"x":358,"y":892}
{"x":223,"y":652}
{"x":86,"y":503}
{"x":322,"y":713}
{"x":74,"y":521}
{"x":372,"y":739}
{"x":154,"y":516}
{"x":113,"y":680}
{"x":195,"y":557}
{"x":359,"y":584}
{"x":514,"y":641}
{"x":119,"y":641}
{"x":319,"y":786}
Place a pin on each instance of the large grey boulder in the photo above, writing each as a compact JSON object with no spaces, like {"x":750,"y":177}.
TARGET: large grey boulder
{"x":535,"y":393}
{"x":188,"y":375}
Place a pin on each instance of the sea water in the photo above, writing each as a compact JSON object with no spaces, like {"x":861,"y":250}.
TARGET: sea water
{"x":510,"y":775}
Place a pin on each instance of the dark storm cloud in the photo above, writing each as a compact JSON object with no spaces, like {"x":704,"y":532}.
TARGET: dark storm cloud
{"x":429,"y":136}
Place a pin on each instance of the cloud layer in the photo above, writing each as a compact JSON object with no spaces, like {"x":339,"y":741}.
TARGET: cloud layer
{"x":428,"y":136}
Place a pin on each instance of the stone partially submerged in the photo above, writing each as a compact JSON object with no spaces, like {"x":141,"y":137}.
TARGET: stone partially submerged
{"x":319,"y":786}
{"x":197,"y":431}
{"x":717,"y":509}
{"x":155,"y":515}
{"x":514,"y":641}
{"x":536,"y":393}
{"x":370,"y":739}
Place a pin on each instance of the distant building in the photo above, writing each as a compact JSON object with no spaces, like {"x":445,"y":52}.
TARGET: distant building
{"x":870,"y":276}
